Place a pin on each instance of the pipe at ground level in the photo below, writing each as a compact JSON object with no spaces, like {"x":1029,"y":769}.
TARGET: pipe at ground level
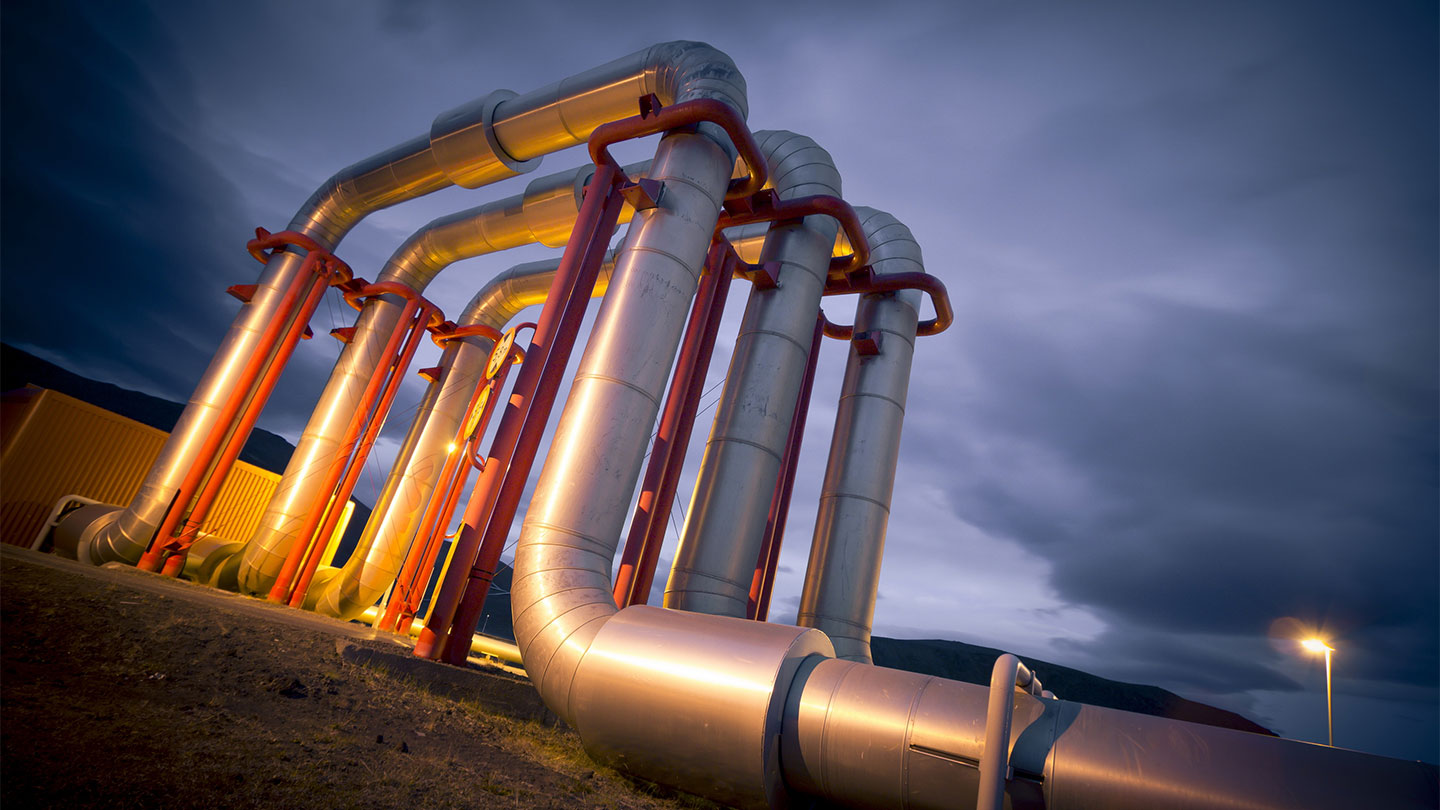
{"x":865,"y":736}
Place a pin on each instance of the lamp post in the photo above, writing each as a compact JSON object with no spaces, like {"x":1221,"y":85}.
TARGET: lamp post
{"x":1315,"y":645}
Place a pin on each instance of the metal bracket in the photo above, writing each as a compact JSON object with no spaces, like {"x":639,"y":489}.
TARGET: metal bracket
{"x":244,"y":292}
{"x":867,"y":343}
{"x":764,"y":276}
{"x":643,"y":194}
{"x":344,"y":334}
{"x":431,"y":374}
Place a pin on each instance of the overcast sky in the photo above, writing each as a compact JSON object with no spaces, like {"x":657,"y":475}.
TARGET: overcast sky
{"x":1189,"y":403}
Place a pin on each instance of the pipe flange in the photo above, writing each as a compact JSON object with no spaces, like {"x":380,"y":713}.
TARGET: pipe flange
{"x":465,"y":147}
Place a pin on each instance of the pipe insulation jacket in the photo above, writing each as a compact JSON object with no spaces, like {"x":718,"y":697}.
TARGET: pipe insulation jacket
{"x":725,"y":524}
{"x":545,"y":211}
{"x":843,"y":574}
{"x":493,"y":138}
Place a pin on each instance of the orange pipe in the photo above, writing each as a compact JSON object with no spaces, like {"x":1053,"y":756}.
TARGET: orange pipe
{"x":153,"y":557}
{"x":396,"y":372}
{"x":281,"y":590}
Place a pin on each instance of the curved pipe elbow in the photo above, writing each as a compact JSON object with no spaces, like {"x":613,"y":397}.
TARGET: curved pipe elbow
{"x":545,"y":214}
{"x":397,"y":174}
{"x":893,"y":249}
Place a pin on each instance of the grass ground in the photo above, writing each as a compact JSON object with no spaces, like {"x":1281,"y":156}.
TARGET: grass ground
{"x":116,"y":693}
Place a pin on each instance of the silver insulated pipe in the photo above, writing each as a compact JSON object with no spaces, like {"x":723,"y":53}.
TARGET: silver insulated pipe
{"x":378,"y":556}
{"x":843,"y":575}
{"x":493,"y":138}
{"x":544,"y":213}
{"x":725,"y":524}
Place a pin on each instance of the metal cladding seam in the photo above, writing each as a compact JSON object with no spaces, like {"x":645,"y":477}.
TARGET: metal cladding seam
{"x":725,"y":524}
{"x":498,"y":136}
{"x":843,"y":574}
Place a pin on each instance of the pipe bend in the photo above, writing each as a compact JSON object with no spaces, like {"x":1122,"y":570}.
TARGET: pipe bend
{"x":893,"y":249}
{"x":399,"y":173}
{"x":682,"y":70}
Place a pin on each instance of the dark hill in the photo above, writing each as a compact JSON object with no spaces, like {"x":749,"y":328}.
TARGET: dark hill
{"x":968,"y":662}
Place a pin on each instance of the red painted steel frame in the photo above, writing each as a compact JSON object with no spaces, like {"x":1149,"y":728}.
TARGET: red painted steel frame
{"x":655,"y":119}
{"x":446,"y":487}
{"x":381,"y":383}
{"x":425,"y":536}
{"x":574,"y":279}
{"x":590,"y":257}
{"x":667,"y":455}
{"x":411,"y":584}
{"x":325,"y":269}
{"x":767,"y":207}
{"x":865,"y":281}
{"x":428,"y":315}
{"x":769,"y":560}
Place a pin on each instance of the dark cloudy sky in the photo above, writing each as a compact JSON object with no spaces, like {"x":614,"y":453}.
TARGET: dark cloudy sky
{"x":1190,"y":399}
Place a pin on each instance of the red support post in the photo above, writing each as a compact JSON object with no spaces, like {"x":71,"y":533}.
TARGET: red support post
{"x":175,"y":563}
{"x":319,"y":509}
{"x":411,"y":584}
{"x":769,"y":558}
{"x":324,"y":268}
{"x":667,"y":454}
{"x":427,"y":313}
{"x":537,"y":414}
{"x":574,"y":279}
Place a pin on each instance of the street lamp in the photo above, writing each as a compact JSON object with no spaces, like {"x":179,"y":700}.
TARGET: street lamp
{"x":1315,"y":645}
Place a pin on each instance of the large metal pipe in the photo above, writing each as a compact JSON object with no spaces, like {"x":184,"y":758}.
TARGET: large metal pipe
{"x":843,"y":575}
{"x":743,"y":712}
{"x":377,"y":558}
{"x":493,"y":138}
{"x":725,"y":524}
{"x":544,"y":213}
{"x":561,"y":593}
{"x":865,"y":736}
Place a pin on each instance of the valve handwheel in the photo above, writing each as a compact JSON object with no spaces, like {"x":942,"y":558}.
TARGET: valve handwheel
{"x":500,"y":354}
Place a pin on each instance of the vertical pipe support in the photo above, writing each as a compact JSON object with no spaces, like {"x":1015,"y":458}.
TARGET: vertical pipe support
{"x":768,"y":562}
{"x":569,"y":278}
{"x":605,"y":186}
{"x":667,"y":453}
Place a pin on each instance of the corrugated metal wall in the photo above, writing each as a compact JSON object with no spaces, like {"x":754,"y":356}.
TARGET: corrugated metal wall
{"x":54,"y":445}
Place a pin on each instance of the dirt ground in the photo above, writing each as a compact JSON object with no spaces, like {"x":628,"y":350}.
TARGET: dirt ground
{"x":118,"y":691}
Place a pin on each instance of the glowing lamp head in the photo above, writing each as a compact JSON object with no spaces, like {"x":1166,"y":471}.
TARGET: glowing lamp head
{"x":451,"y":448}
{"x":1315,"y":645}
